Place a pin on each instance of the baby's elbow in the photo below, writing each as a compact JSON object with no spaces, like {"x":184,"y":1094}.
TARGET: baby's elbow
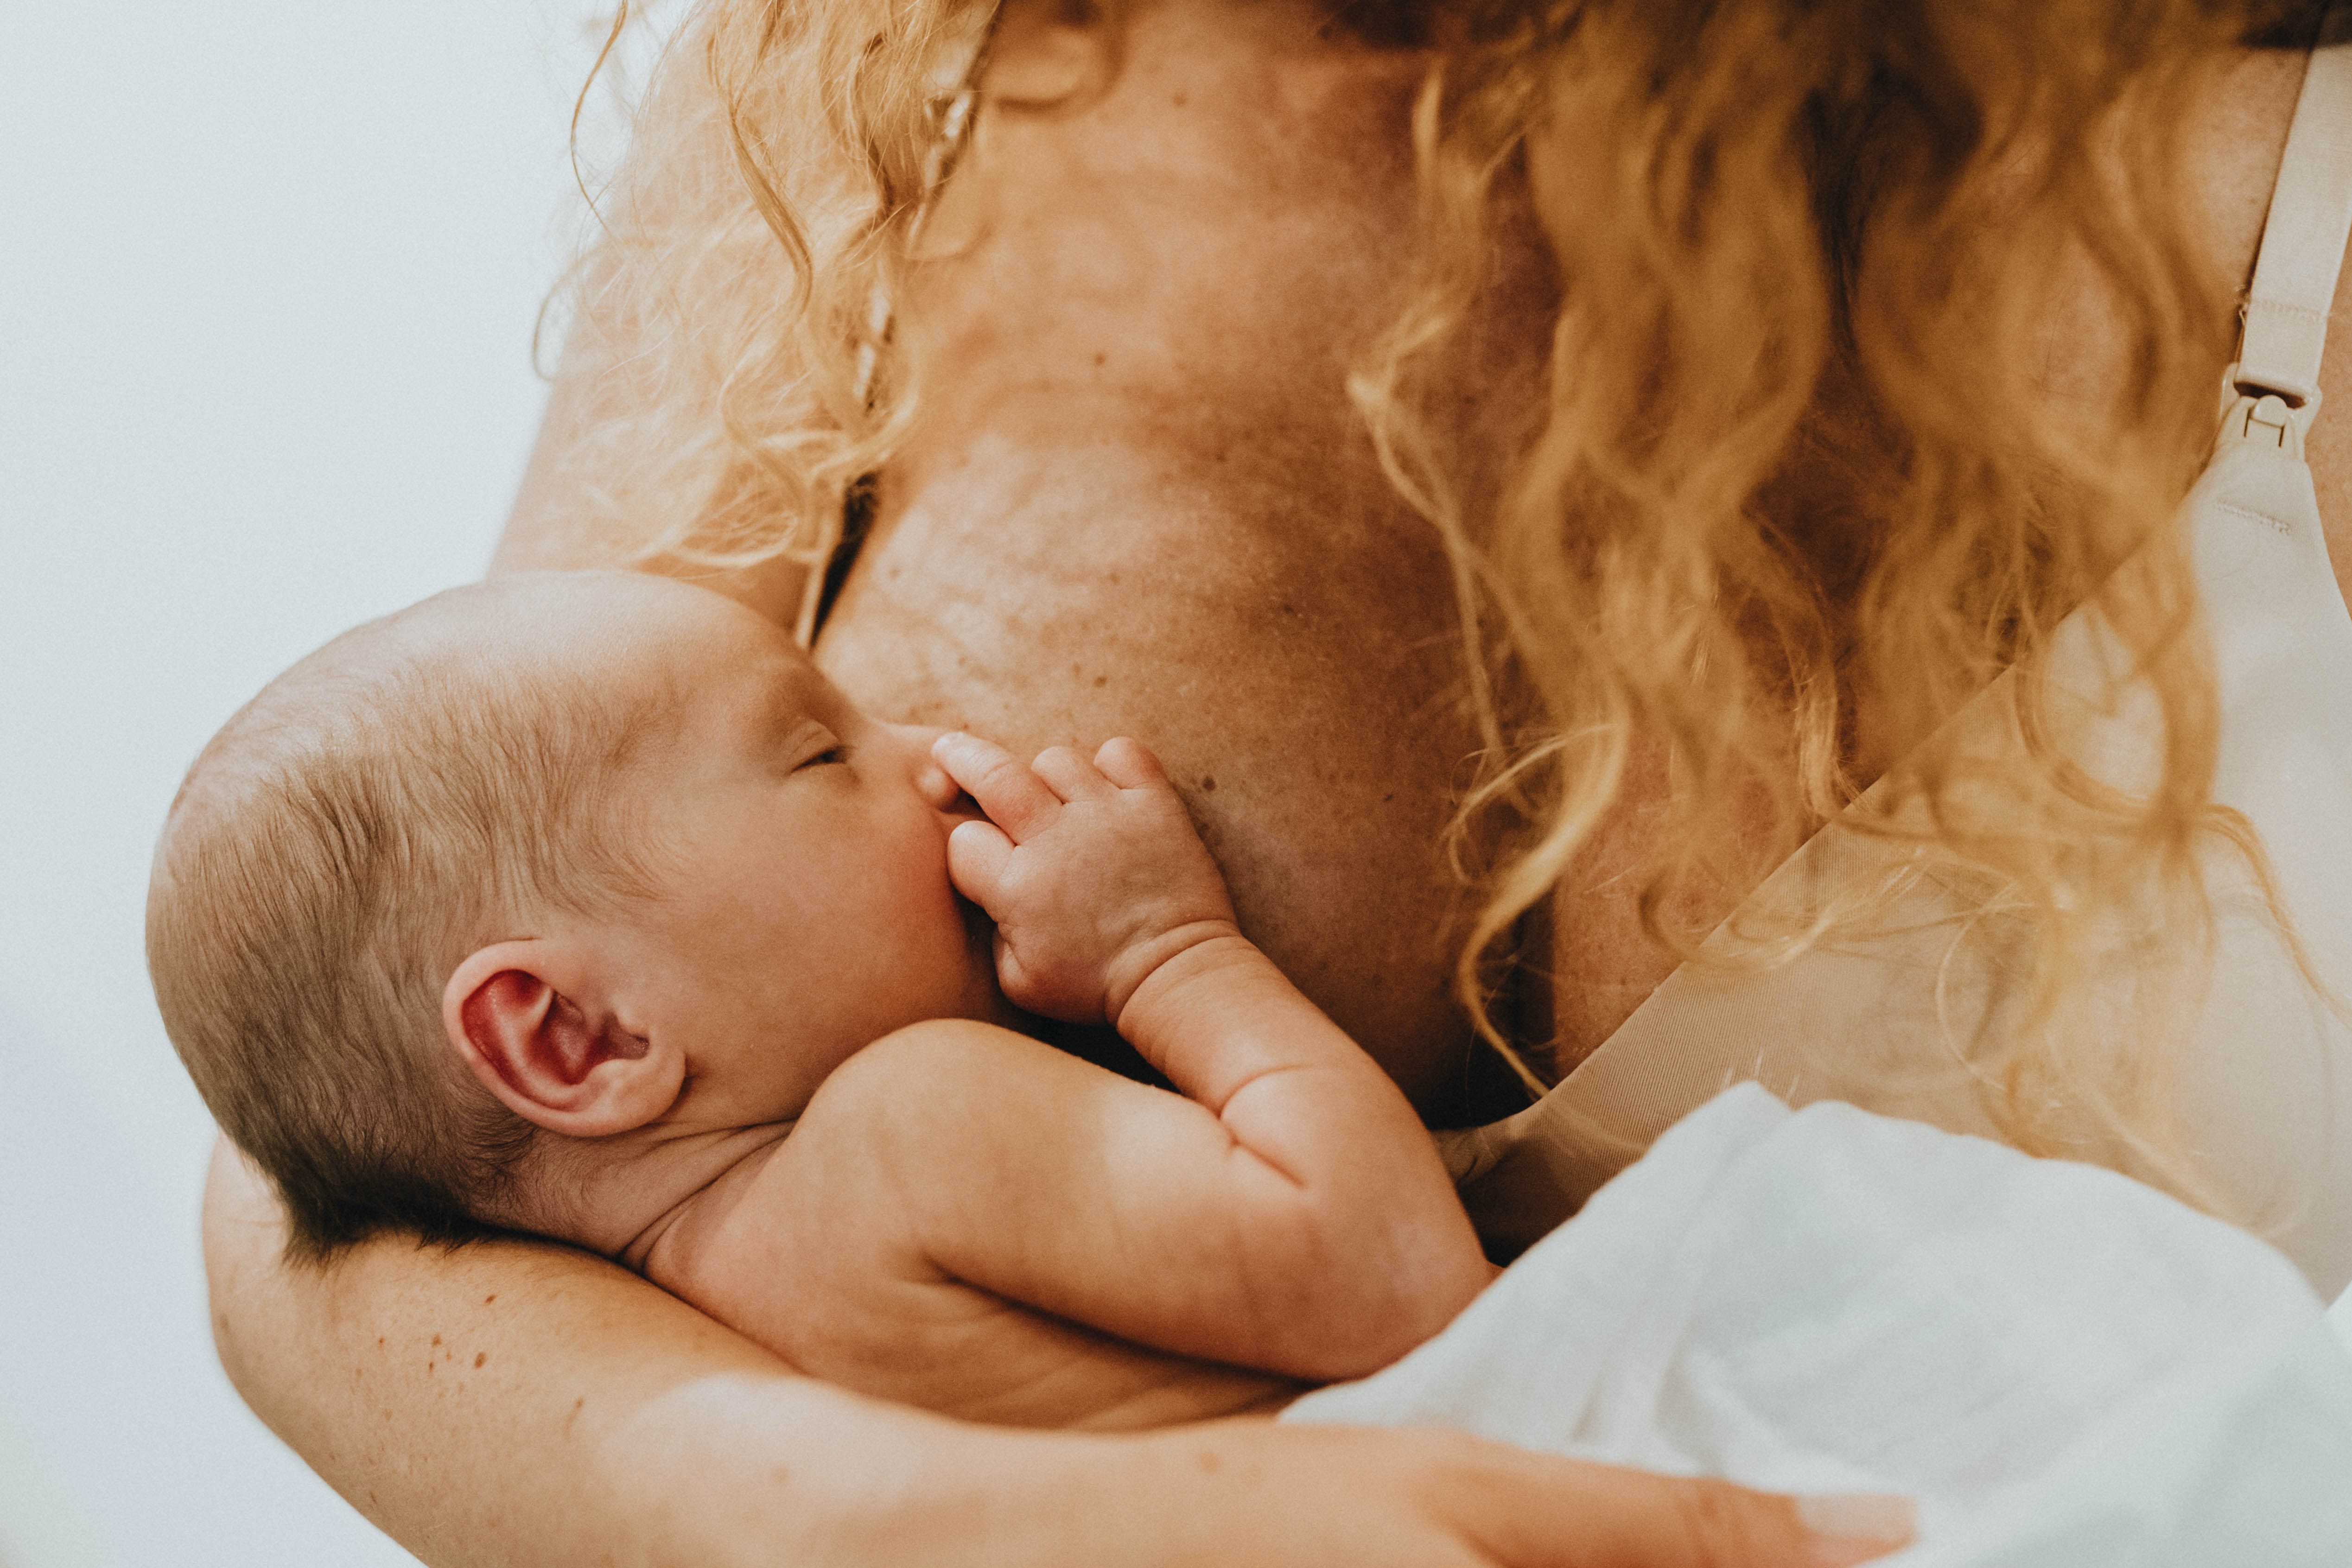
{"x":1384,"y":1329}
{"x":1361,"y":1303}
{"x":1335,"y":1346}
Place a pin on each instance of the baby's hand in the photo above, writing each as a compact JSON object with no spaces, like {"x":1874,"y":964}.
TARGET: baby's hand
{"x":1091,"y":871}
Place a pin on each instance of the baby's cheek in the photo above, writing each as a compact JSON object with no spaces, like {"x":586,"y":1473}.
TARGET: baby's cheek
{"x":944,"y":939}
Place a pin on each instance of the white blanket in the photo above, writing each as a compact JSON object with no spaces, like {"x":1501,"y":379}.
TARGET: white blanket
{"x":2063,"y":1367}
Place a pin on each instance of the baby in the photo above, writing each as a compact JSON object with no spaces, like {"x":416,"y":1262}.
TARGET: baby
{"x":582,"y":905}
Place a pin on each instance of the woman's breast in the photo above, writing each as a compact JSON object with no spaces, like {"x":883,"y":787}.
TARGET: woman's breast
{"x":1137,"y":499}
{"x":1291,"y":658}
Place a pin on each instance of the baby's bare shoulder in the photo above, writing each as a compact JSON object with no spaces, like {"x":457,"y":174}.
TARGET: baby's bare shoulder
{"x":811,"y":1247}
{"x":919,"y":1063}
{"x":936,"y":1099}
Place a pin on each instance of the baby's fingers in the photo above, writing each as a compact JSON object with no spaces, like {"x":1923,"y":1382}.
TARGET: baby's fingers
{"x":977,"y":853}
{"x":1069,"y":775}
{"x":1014,"y":798}
{"x":1129,"y":764}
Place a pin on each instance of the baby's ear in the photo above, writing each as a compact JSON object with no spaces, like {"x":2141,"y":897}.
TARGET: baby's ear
{"x":529,"y":1018}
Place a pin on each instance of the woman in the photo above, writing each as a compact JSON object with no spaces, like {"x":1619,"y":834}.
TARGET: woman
{"x":1508,"y":603}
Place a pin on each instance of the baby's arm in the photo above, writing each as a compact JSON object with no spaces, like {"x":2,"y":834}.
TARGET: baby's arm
{"x":1290,"y":1216}
{"x":1294,"y":1214}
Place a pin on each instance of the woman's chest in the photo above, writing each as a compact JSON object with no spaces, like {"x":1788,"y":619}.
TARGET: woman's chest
{"x":1293,"y":660}
{"x":1139,"y":499}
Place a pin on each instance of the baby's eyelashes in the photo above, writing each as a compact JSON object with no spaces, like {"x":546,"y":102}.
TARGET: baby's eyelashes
{"x":812,"y":743}
{"x":820,"y":748}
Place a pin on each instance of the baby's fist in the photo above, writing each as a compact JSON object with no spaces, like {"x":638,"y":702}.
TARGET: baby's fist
{"x":1092,"y":872}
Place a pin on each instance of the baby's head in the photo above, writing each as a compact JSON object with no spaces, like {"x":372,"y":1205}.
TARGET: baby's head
{"x":483,"y":897}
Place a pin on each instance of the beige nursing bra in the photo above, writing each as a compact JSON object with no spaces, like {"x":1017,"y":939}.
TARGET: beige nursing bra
{"x":2268,"y":1091}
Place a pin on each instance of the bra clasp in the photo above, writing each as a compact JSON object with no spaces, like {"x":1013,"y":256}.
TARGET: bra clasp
{"x":2264,"y":417}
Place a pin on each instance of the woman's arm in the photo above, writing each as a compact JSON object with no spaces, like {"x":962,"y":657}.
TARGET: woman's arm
{"x":519,"y":1405}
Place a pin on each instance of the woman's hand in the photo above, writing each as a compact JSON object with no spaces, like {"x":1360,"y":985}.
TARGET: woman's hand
{"x":1372,"y":1497}
{"x":522,"y":1405}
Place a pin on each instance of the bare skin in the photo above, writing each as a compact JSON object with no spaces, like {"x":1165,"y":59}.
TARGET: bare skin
{"x":1209,"y":558}
{"x":969,"y":1221}
{"x":1249,"y":517}
{"x":1294,"y":663}
{"x":776,"y":1082}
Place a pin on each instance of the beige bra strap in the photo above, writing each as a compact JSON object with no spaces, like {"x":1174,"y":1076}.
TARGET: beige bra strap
{"x":2303,"y":237}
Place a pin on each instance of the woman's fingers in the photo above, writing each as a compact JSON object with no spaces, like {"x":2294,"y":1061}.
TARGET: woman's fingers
{"x":1014,"y":798}
{"x":1392,"y":1498}
{"x":1714,"y":1524}
{"x":1583,"y":1515}
{"x":1611,"y":1518}
{"x":1855,"y":1527}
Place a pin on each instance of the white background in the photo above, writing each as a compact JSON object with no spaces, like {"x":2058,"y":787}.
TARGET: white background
{"x":268,"y":272}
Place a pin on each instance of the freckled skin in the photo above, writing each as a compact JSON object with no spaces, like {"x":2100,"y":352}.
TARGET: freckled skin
{"x":1209,"y":557}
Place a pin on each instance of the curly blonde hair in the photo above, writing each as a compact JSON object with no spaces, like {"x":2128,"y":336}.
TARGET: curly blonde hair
{"x":1801,"y":488}
{"x":733,"y":309}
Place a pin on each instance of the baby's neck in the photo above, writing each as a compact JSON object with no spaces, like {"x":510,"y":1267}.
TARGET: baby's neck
{"x":679,"y":1229}
{"x":645,"y":1198}
{"x":640,"y":1199}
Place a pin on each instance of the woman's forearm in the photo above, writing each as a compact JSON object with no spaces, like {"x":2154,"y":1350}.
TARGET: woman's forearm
{"x":517,"y":1405}
{"x":508,"y":1404}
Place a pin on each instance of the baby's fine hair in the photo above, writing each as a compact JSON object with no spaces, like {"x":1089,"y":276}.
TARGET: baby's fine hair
{"x":373,"y":816}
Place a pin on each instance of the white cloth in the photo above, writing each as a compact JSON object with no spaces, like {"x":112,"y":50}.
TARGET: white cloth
{"x":2063,"y":1367}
